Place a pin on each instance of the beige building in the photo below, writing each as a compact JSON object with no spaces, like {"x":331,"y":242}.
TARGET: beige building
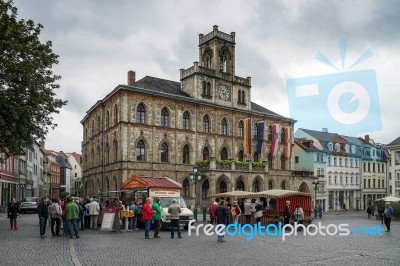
{"x":158,"y":127}
{"x":394,"y":149}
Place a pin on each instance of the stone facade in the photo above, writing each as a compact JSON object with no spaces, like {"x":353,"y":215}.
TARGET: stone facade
{"x":156,"y":127}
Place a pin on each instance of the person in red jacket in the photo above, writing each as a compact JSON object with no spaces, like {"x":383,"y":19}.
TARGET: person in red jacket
{"x":211,"y":210}
{"x":147,"y":216}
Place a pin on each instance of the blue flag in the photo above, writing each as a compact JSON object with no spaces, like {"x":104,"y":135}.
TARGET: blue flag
{"x":260,"y":136}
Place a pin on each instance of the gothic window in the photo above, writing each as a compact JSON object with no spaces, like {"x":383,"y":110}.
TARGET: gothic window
{"x":115,"y":150}
{"x":164,"y":117}
{"x":283,"y":185}
{"x":255,"y":157}
{"x":205,"y":189}
{"x":185,"y":188}
{"x":92,"y":127}
{"x":164,"y":153}
{"x":115,"y":114}
{"x":240,"y":185}
{"x":283,"y":139}
{"x":206,"y":124}
{"x":239,"y":96}
{"x":140,"y":151}
{"x":186,"y":120}
{"x":208,"y":62}
{"x":186,"y":155}
{"x":243,"y":97}
{"x":283,"y":162}
{"x":107,"y":119}
{"x":86,"y":134}
{"x":240,"y":156}
{"x":98,"y":124}
{"x":269,"y":133}
{"x":223,"y":62}
{"x":224,"y":126}
{"x":208,"y":89}
{"x":222,"y":187}
{"x":206,"y":154}
{"x":204,"y":88}
{"x":255,"y":130}
{"x":270,"y":186}
{"x":140,"y":114}
{"x":207,"y":57}
{"x":256,"y":186}
{"x":224,"y":154}
{"x":269,"y":161}
{"x":240,"y":129}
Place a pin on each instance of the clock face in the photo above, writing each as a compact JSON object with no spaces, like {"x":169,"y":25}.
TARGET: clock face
{"x":224,"y":93}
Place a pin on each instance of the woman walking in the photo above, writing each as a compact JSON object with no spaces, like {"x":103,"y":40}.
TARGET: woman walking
{"x":13,"y":212}
{"x":55,"y":214}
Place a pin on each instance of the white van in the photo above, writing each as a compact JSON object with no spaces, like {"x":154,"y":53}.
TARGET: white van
{"x":184,"y":217}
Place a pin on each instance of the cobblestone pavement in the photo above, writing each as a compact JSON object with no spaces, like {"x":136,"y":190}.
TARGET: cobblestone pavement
{"x":25,"y":247}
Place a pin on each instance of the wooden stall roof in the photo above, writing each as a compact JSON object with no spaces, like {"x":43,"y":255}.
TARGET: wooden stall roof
{"x":231,"y":194}
{"x":277,"y":193}
{"x":144,"y":182}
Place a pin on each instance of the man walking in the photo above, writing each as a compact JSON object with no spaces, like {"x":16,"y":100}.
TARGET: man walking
{"x":388,"y":215}
{"x":72,"y":214}
{"x":247,"y":211}
{"x":43,"y":212}
{"x":222,"y":212}
{"x":174,"y":211}
{"x":94,"y":210}
{"x":286,"y":212}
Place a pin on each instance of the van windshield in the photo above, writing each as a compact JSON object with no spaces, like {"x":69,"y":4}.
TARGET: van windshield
{"x":166,"y":202}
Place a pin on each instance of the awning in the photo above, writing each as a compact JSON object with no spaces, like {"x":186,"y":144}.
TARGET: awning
{"x":145,"y":182}
{"x":236,"y":194}
{"x":277,"y":193}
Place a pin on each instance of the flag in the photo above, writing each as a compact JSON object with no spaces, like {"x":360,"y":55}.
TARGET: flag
{"x":275,"y":135}
{"x":246,"y":136}
{"x":287,"y":142}
{"x":260,"y":136}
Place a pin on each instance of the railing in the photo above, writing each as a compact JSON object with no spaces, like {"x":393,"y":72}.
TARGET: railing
{"x":242,"y":168}
{"x":220,"y":34}
{"x":204,"y":168}
{"x":187,"y":72}
{"x":226,"y":76}
{"x":224,"y":167}
{"x":207,"y":71}
{"x":258,"y":169}
{"x":241,"y":80}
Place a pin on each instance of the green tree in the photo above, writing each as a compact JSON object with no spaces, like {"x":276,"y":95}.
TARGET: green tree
{"x":27,"y":97}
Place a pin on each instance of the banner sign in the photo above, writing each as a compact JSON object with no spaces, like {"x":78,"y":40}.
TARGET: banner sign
{"x":169,"y":192}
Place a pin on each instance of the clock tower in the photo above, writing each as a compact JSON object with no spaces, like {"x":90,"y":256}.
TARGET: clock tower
{"x":212,"y":78}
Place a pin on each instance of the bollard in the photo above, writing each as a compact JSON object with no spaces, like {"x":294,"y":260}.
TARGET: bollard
{"x":204,"y":214}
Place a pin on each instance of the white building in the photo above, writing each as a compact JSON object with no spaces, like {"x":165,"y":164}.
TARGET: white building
{"x":74,"y":160}
{"x":37,"y":170}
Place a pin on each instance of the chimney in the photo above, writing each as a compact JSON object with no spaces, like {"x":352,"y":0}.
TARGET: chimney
{"x":367,"y":138}
{"x":325,"y":130}
{"x":131,"y":77}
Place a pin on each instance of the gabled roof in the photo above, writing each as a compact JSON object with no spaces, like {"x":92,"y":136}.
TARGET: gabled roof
{"x":394,"y":142}
{"x":145,"y":182}
{"x":325,"y":136}
{"x":305,"y":144}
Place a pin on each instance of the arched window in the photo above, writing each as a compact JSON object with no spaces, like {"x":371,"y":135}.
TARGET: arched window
{"x":115,"y":150}
{"x":283,"y":185}
{"x":283,"y":139}
{"x":107,"y":184}
{"x":164,"y":117}
{"x":240,"y":185}
{"x":255,"y":157}
{"x":206,"y":154}
{"x":283,"y":162}
{"x":107,"y":159}
{"x":186,"y":155}
{"x":270,"y":186}
{"x":186,"y":120}
{"x":223,"y":61}
{"x":164,"y":153}
{"x":107,"y":119}
{"x":98,"y":124}
{"x":224,"y":126}
{"x":207,"y":57}
{"x":140,"y":151}
{"x":222,"y":187}
{"x":239,"y":96}
{"x":92,"y":127}
{"x":204,"y":85}
{"x":208,"y":62}
{"x":205,"y":189}
{"x":243,"y":97}
{"x":256,"y":186}
{"x":269,"y":133}
{"x":185,"y":188}
{"x":140,"y":114}
{"x":208,"y":91}
{"x":269,"y":161}
{"x":255,"y":131}
{"x":224,"y":154}
{"x":206,"y":124}
{"x":240,"y":129}
{"x":240,"y":156}
{"x":115,"y":114}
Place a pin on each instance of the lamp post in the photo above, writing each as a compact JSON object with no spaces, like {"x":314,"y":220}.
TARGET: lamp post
{"x":195,"y":176}
{"x":315,"y":183}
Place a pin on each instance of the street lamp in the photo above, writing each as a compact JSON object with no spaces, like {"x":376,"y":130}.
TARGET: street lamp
{"x":315,"y":183}
{"x":195,"y":176}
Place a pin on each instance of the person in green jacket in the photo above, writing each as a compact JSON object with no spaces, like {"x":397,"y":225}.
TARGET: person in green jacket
{"x":72,"y":214}
{"x":156,"y":217}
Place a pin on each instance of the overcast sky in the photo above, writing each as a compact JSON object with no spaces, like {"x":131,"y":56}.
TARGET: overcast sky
{"x":99,"y":41}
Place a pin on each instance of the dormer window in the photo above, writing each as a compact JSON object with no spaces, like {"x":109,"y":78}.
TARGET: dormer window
{"x":337,"y":147}
{"x":330,"y":146}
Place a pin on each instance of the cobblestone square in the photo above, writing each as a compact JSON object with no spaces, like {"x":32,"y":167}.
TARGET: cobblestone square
{"x":25,"y":247}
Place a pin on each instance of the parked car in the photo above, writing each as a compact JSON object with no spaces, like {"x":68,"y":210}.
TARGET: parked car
{"x":28,"y":204}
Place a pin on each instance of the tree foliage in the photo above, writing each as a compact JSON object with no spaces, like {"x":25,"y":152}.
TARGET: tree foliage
{"x":27,"y":97}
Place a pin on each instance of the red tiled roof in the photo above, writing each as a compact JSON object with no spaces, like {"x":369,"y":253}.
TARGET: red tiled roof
{"x":149,"y":182}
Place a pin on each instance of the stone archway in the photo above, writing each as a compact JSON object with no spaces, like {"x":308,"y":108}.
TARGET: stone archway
{"x":304,"y":187}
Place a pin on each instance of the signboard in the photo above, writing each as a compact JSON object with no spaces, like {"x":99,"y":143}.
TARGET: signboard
{"x":108,"y":221}
{"x":166,"y":192}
